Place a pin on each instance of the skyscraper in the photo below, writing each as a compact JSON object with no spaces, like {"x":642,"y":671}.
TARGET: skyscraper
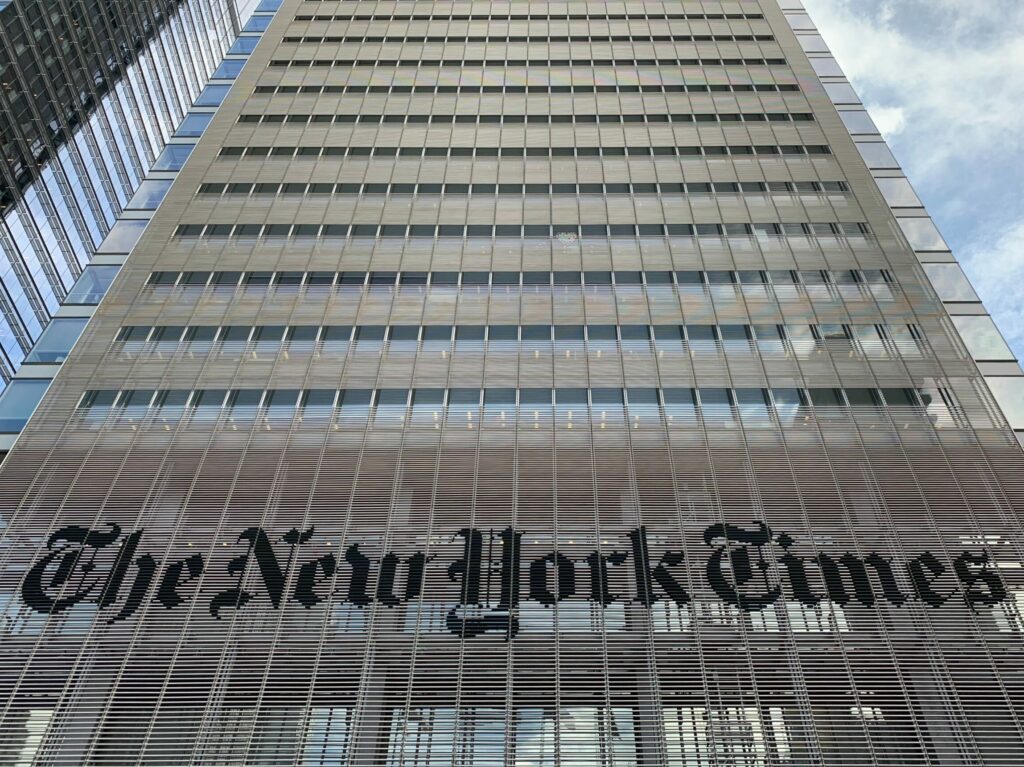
{"x":525,"y":384}
{"x":91,"y":94}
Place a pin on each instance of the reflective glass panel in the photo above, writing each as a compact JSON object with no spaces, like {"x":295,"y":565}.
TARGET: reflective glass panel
{"x":229,"y":69}
{"x":877,"y":155}
{"x":922,"y":234}
{"x":257,"y":24}
{"x":193,"y":125}
{"x":150,"y":194}
{"x":1009,"y":393}
{"x":92,"y":285}
{"x":244,"y":45}
{"x":898,"y":192}
{"x":212,"y":95}
{"x":123,"y":236}
{"x":858,"y":121}
{"x":173,"y":157}
{"x":826,"y":67}
{"x":56,"y":340}
{"x":841,"y":93}
{"x":950,"y":282}
{"x":982,"y":338}
{"x":19,"y":401}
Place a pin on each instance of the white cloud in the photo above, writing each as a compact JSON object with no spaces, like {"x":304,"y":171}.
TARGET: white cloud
{"x":952,"y":68}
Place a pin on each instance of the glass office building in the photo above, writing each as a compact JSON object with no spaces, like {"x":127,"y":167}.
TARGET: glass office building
{"x":91,"y":94}
{"x":525,"y":384}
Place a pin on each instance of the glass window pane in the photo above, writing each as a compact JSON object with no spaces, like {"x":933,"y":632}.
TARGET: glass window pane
{"x":229,"y":69}
{"x":898,"y":192}
{"x":123,"y":236}
{"x":800,"y":21}
{"x":194,"y":124}
{"x":950,"y":282}
{"x":841,"y":93}
{"x":212,"y":95}
{"x":150,"y":194}
{"x":826,"y":67}
{"x":92,"y":285}
{"x":19,"y":401}
{"x":826,"y":397}
{"x":56,"y":340}
{"x":813,"y":43}
{"x":1009,"y":393}
{"x":173,"y":157}
{"x":982,"y":338}
{"x":922,"y":234}
{"x":244,"y":45}
{"x":857,"y":121}
{"x":257,"y":24}
{"x":877,"y":155}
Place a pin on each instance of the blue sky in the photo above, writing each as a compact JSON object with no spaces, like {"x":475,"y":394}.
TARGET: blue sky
{"x":944,"y":81}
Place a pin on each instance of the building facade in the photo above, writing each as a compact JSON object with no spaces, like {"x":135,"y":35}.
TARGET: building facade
{"x":525,"y":384}
{"x":92,"y":94}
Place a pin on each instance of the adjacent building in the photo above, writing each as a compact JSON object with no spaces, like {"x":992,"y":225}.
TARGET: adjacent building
{"x":525,"y":384}
{"x":94,"y":98}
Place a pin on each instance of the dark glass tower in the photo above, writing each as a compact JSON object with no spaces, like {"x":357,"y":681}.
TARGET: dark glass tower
{"x":535,"y":384}
{"x":91,"y":93}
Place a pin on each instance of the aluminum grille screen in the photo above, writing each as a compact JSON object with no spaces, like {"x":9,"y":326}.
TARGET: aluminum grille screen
{"x":484,"y":508}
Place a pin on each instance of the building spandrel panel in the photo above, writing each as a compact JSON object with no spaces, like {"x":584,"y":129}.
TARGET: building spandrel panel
{"x":641,"y":437}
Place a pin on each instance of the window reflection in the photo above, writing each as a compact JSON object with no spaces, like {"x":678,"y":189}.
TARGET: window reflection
{"x":212,"y":96}
{"x":244,"y":45}
{"x":19,"y":401}
{"x":982,"y":338}
{"x":56,"y":341}
{"x":193,"y":125}
{"x":150,"y":194}
{"x":173,"y":156}
{"x":123,"y":236}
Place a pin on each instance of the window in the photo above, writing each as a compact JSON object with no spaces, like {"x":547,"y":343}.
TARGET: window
{"x":173,"y":157}
{"x":193,"y":125}
{"x":982,"y":338}
{"x":800,"y":21}
{"x":922,"y":234}
{"x":257,"y":24}
{"x":841,"y":93}
{"x":877,"y":155}
{"x":898,"y":193}
{"x":827,"y":397}
{"x":328,"y":730}
{"x":1009,"y":393}
{"x":56,"y":340}
{"x":229,"y":69}
{"x":826,"y":67}
{"x":858,"y":121}
{"x":92,"y":285}
{"x":812,"y":43}
{"x":244,"y":45}
{"x":950,"y":282}
{"x":123,"y":235}
{"x":19,"y":401}
{"x":212,"y":95}
{"x":150,"y":194}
